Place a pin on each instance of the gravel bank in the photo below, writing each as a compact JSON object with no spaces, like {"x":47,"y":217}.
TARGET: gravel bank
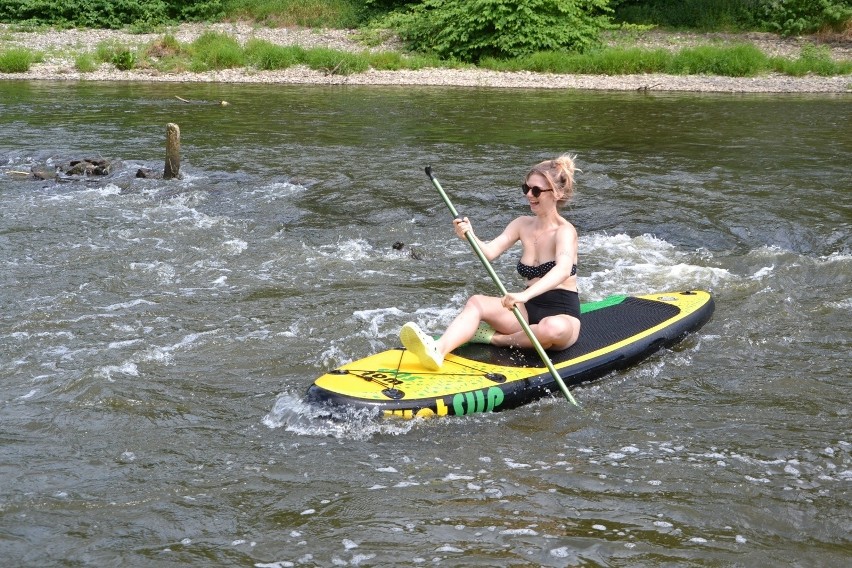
{"x":60,"y":48}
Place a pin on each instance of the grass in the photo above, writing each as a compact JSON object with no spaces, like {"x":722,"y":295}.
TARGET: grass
{"x":336,"y":62}
{"x":743,"y":60}
{"x":812,"y":59}
{"x":215,"y":51}
{"x":85,"y":63}
{"x":268,"y":56}
{"x":17,"y":60}
{"x":122,"y":56}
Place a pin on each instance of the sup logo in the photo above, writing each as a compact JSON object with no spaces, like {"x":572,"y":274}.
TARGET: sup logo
{"x":484,"y":400}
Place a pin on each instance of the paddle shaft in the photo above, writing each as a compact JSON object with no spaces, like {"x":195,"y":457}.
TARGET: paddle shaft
{"x":524,"y":325}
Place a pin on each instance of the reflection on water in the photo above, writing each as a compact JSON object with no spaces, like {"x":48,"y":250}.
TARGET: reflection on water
{"x":157,"y":337}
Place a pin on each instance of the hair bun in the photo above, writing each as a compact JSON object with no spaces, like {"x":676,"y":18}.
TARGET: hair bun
{"x":559,"y":172}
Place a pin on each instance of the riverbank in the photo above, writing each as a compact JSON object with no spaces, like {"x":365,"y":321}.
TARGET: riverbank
{"x":60,"y":48}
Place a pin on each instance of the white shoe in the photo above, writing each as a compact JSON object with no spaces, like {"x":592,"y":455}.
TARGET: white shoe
{"x":422,"y":345}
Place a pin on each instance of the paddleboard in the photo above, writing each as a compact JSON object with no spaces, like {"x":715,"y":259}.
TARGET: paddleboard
{"x":616,"y":332}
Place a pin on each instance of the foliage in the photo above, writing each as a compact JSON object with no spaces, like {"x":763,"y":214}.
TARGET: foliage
{"x":105,"y":50}
{"x":167,"y":55}
{"x":791,"y":17}
{"x":471,"y":29}
{"x":388,"y":5}
{"x":107,"y":14}
{"x":307,"y":13}
{"x":164,"y":47}
{"x":16,"y":60}
{"x":691,"y":14}
{"x":465,"y":28}
{"x":116,"y":53}
{"x":124,"y":60}
{"x":787,"y":17}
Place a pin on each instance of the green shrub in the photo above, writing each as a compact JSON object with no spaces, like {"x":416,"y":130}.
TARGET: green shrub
{"x":124,"y":60}
{"x":469,"y":30}
{"x":167,"y":54}
{"x":690,"y":14}
{"x":164,"y":47}
{"x":16,"y":60}
{"x":105,"y":50}
{"x":116,"y":53}
{"x":108,"y":13}
{"x":791,"y":17}
{"x":788,"y":17}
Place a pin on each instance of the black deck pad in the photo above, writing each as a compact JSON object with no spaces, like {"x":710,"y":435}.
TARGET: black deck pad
{"x":599,"y":328}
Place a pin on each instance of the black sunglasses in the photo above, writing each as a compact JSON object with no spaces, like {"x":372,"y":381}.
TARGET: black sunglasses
{"x":536,"y":190}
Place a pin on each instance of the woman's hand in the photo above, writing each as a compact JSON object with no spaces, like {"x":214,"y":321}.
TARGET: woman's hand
{"x":462,"y":226}
{"x":510,"y":300}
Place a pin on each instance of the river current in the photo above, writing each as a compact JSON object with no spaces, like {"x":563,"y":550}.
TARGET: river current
{"x":157,"y":337}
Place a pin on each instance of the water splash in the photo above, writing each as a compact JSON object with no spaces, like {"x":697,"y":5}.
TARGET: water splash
{"x":295,"y":415}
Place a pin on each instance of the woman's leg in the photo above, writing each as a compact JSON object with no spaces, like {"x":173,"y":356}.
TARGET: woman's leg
{"x":477,"y":309}
{"x":553,"y":332}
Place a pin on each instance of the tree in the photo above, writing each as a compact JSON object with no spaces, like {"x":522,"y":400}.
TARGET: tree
{"x":471,"y":29}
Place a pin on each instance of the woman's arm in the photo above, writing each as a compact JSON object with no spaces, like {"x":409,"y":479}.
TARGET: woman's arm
{"x":493,"y":248}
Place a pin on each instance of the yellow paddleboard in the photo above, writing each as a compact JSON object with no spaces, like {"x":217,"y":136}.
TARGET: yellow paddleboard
{"x":616,"y":332}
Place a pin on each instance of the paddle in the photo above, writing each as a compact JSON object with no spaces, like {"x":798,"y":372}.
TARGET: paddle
{"x":524,"y":325}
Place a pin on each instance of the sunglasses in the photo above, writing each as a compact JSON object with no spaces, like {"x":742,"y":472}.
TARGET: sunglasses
{"x":536,"y":190}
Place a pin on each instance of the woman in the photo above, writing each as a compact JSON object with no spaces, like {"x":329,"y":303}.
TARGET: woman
{"x":548,"y":262}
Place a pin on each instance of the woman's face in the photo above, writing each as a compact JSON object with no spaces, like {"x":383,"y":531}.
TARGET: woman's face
{"x":546,"y":196}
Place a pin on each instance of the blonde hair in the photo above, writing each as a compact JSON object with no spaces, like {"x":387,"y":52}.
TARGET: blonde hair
{"x":559,"y":173}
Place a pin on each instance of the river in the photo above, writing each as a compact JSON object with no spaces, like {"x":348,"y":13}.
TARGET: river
{"x":157,"y":337}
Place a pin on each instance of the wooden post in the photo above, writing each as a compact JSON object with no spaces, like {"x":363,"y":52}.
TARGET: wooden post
{"x":172,"y":169}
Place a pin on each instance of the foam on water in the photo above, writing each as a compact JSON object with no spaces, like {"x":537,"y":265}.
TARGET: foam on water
{"x":349,"y":250}
{"x":640,"y":265}
{"x":96,"y":192}
{"x":234,"y":246}
{"x":272,"y":192}
{"x":129,"y":368}
{"x":126,"y":305}
{"x":378,"y":318}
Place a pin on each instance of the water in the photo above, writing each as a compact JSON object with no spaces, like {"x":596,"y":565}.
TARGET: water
{"x":156,"y":338}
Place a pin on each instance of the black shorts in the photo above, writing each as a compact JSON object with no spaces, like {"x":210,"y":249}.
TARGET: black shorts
{"x":553,"y":303}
